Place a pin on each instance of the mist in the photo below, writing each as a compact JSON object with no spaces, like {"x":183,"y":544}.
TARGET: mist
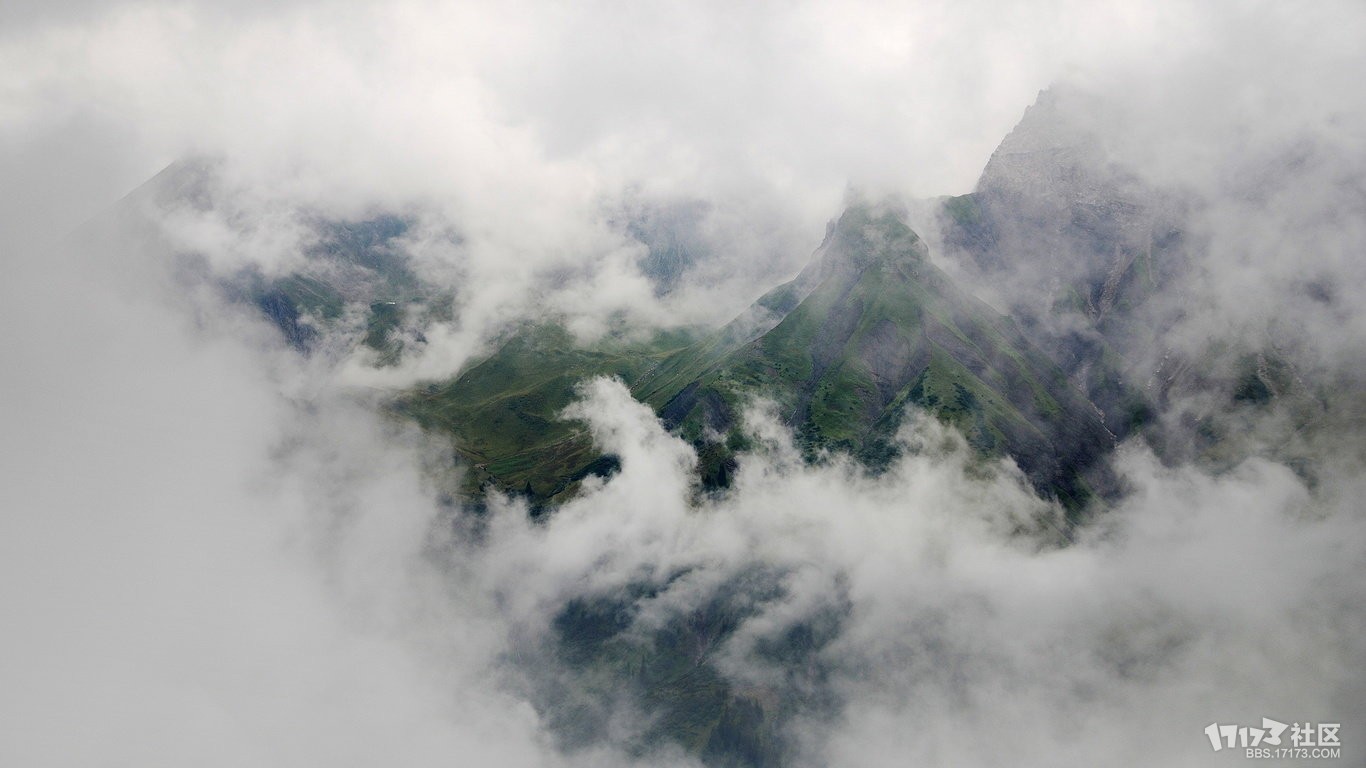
{"x":216,"y":549}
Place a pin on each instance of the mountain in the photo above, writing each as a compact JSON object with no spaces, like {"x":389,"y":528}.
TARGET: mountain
{"x":1095,"y":263}
{"x":867,"y":329}
{"x":1074,"y":245}
{"x":871,"y":327}
{"x":504,"y":411}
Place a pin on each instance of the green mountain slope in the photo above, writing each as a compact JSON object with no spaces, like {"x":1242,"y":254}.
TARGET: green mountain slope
{"x":505,"y":411}
{"x":872,"y":328}
{"x":867,"y":329}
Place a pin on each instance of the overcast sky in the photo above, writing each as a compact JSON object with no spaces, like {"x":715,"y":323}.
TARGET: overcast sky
{"x":393,"y":100}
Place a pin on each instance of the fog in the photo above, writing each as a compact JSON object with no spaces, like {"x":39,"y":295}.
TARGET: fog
{"x":216,"y":550}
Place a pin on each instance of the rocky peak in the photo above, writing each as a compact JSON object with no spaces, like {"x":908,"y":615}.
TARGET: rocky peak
{"x":864,"y":236}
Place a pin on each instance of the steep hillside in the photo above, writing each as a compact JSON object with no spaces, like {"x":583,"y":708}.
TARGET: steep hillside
{"x":867,"y":330}
{"x":1098,"y":265}
{"x":1074,"y":245}
{"x":505,"y":410}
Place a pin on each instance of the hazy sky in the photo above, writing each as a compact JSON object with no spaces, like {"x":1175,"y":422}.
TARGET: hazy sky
{"x":213,"y":551}
{"x":394,"y":100}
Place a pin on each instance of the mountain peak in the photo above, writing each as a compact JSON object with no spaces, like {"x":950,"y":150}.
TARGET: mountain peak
{"x":869,"y":328}
{"x":1052,"y":150}
{"x":868,"y":233}
{"x":865,"y":235}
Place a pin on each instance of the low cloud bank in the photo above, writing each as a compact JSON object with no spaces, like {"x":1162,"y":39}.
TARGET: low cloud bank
{"x":966,"y":634}
{"x":211,"y":554}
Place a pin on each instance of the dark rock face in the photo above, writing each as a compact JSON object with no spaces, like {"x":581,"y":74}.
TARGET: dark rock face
{"x":280,"y":309}
{"x":671,"y":236}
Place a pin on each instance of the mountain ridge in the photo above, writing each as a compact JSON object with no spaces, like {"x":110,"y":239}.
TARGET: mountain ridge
{"x":868,"y":328}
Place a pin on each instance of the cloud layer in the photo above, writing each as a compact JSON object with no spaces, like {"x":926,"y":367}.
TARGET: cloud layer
{"x":213,"y":550}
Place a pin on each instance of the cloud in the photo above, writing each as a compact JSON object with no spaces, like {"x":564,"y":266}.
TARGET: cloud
{"x":522,"y":131}
{"x":220,"y":543}
{"x":521,"y":127}
{"x":959,"y":639}
{"x":200,"y":566}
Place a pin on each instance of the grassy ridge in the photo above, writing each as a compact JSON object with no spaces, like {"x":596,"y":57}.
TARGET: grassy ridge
{"x":869,"y":328}
{"x":505,"y":411}
{"x":881,"y":328}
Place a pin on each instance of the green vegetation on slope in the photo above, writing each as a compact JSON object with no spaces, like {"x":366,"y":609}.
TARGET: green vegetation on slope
{"x":869,"y":328}
{"x":880,"y":328}
{"x":505,"y":411}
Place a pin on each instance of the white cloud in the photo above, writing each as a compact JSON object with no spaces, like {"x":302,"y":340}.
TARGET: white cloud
{"x":959,"y":640}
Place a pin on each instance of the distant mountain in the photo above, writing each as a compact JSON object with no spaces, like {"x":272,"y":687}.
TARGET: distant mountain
{"x":1084,"y":257}
{"x":672,"y":236}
